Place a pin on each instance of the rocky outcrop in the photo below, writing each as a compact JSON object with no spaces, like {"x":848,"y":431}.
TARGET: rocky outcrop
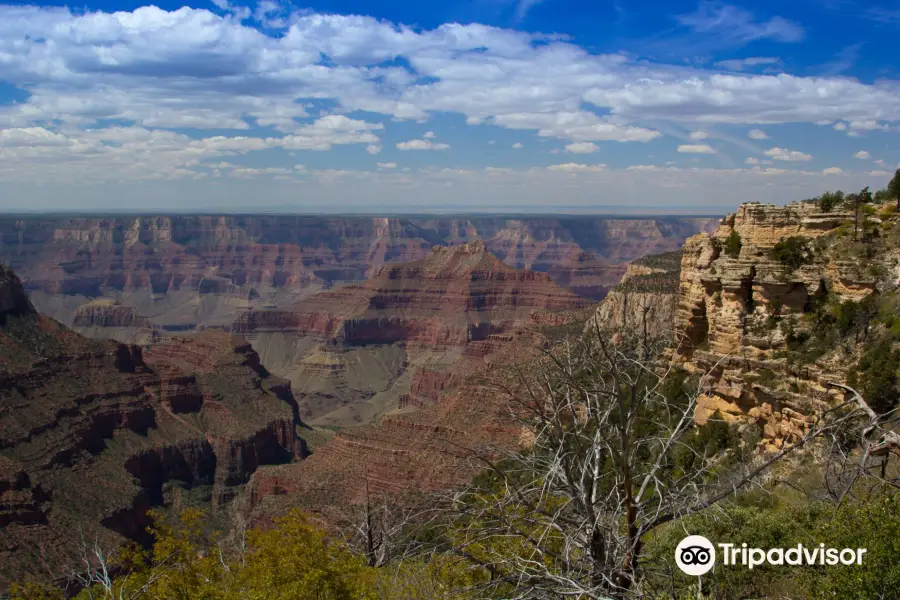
{"x":352,"y":352}
{"x":730,"y":307}
{"x":104,"y":312}
{"x":648,"y":292}
{"x":209,"y":268}
{"x":93,"y":433}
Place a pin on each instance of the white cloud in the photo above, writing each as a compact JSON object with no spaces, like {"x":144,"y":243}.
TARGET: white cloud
{"x":696,"y":149}
{"x":742,"y":64}
{"x":577,"y":168}
{"x":879,"y":162}
{"x":209,"y":70}
{"x":840,"y":126}
{"x":751,"y":161}
{"x":739,"y":25}
{"x":387,"y":165}
{"x":421,"y":145}
{"x":862,"y":154}
{"x":787,"y":155}
{"x":880,"y":173}
{"x":517,"y":145}
{"x":492,"y":142}
{"x":757,"y":134}
{"x":832,"y":171}
{"x":582,"y":147}
{"x":429,"y":135}
{"x":699,"y":135}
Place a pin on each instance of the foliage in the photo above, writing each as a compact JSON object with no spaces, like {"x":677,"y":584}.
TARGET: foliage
{"x":34,"y":591}
{"x":829,"y":200}
{"x":293,"y":560}
{"x":877,"y":375}
{"x":792,"y":252}
{"x":778,"y":522}
{"x":733,"y":244}
{"x":893,"y":188}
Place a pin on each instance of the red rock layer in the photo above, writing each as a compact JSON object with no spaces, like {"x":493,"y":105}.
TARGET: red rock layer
{"x":246,"y":255}
{"x":453,"y":297}
{"x":93,"y":433}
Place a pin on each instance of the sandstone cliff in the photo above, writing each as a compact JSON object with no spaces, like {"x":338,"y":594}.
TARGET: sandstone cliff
{"x":768,"y":326}
{"x":93,"y":433}
{"x":357,"y":351}
{"x":648,"y":291}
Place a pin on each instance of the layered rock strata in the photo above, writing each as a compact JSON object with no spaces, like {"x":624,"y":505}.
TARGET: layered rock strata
{"x":183,"y":272}
{"x":354,"y":352}
{"x":728,"y":307}
{"x":93,"y":433}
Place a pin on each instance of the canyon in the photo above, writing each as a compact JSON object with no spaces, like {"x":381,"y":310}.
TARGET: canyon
{"x":387,"y":386}
{"x":183,"y":273}
{"x":94,"y":433}
{"x":364,"y":350}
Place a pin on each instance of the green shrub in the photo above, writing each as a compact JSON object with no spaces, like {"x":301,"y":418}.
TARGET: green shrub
{"x":792,"y":252}
{"x":829,"y":200}
{"x":733,"y":244}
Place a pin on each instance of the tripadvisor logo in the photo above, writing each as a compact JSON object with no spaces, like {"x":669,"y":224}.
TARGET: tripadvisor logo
{"x":696,"y":555}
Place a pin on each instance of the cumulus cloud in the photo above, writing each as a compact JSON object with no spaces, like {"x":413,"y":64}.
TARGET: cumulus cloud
{"x":787,"y":155}
{"x":699,"y":135}
{"x":862,"y":154}
{"x":429,"y":135}
{"x":879,"y":173}
{"x":231,"y":68}
{"x":518,"y":146}
{"x":387,"y":165}
{"x":832,"y":171}
{"x":757,"y":134}
{"x":582,"y":147}
{"x":696,"y":149}
{"x":421,"y":145}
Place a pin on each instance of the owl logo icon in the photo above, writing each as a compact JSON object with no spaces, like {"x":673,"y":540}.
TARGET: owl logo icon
{"x":695,"y":555}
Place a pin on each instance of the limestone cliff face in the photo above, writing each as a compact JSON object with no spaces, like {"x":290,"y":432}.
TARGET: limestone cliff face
{"x":728,"y":308}
{"x":649,"y":289}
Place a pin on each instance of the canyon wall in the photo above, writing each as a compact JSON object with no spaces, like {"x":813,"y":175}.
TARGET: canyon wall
{"x":742,"y":315}
{"x":183,"y":272}
{"x":362,"y":350}
{"x":93,"y":433}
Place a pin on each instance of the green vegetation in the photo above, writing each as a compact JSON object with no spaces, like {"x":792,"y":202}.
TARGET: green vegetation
{"x":783,"y":520}
{"x":830,"y":200}
{"x":792,"y":252}
{"x":733,"y":244}
{"x":893,"y":188}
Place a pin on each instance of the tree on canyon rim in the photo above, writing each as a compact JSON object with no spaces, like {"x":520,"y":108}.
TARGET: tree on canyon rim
{"x":613,"y":454}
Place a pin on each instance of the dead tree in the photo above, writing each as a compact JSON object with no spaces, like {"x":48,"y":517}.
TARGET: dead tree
{"x":613,"y":455}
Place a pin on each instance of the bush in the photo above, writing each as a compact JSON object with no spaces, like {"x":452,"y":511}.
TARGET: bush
{"x":733,"y":244}
{"x":877,"y":371}
{"x":792,"y":252}
{"x":829,"y":200}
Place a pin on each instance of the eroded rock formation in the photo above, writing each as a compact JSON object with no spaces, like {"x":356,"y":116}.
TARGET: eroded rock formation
{"x":93,"y":433}
{"x":733,"y":310}
{"x":183,"y":272}
{"x":356,"y":352}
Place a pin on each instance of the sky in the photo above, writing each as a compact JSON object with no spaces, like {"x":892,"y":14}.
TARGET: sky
{"x":581,"y":106}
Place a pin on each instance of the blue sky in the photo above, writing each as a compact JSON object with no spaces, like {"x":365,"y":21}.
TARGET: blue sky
{"x":519,"y":105}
